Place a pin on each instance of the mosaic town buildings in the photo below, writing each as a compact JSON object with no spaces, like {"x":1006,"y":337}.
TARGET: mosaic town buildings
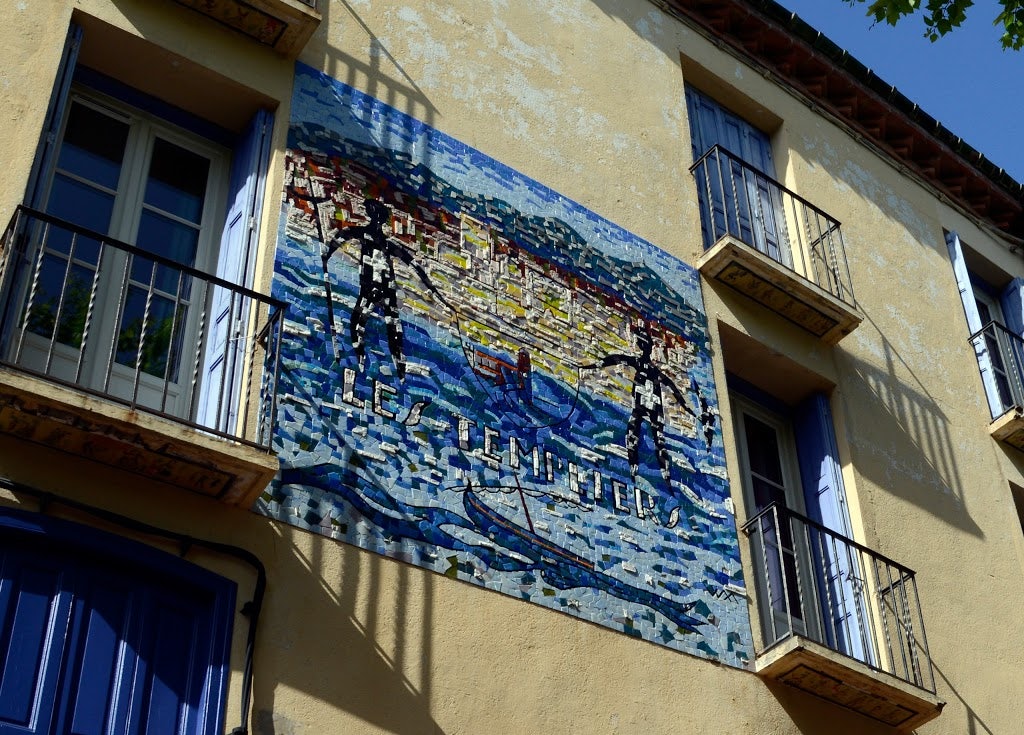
{"x":646,"y":366}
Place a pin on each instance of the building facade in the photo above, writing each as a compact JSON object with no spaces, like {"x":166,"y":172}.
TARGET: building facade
{"x":643,"y":366}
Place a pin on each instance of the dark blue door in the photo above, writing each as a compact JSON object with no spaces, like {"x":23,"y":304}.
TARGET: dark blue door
{"x":100,"y":635}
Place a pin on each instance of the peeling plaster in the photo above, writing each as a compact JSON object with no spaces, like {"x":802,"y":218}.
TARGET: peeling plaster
{"x":514,"y":49}
{"x":535,"y":87}
{"x":567,"y":13}
{"x":827,"y":156}
{"x":651,"y":29}
{"x":873,"y":191}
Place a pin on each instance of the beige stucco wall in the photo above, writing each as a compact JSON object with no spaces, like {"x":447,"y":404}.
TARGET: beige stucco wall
{"x":586,"y":96}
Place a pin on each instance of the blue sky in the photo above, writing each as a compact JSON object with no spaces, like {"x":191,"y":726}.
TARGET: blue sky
{"x":965,"y":80}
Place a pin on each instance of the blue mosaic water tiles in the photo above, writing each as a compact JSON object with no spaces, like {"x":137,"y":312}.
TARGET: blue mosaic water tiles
{"x":488,"y":380}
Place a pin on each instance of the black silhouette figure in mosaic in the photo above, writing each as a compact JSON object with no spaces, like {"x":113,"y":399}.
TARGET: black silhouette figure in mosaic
{"x":377,"y":288}
{"x":648,"y":403}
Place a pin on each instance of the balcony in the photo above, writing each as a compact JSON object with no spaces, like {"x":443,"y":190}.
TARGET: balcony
{"x":284,"y":25}
{"x":130,"y":359}
{"x":840,"y":621}
{"x":1000,"y":354}
{"x":774,"y":246}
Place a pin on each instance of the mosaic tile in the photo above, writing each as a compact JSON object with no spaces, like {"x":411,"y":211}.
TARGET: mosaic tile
{"x":487,"y":379}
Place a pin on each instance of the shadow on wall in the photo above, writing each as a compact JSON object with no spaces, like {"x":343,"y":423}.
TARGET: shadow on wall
{"x":811,"y":150}
{"x":902,"y":437}
{"x":339,"y":638}
{"x":344,"y":622}
{"x":361,"y":650}
{"x":814,"y":716}
{"x":973,"y":724}
{"x":391,"y":85}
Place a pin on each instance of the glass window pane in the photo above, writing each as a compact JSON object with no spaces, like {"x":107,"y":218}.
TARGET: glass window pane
{"x":763,"y":449}
{"x":47,"y":300}
{"x":177,"y":180}
{"x":170,"y":240}
{"x":82,"y":205}
{"x":163,"y":236}
{"x":157,"y":335}
{"x":766,"y":493}
{"x":93,"y":145}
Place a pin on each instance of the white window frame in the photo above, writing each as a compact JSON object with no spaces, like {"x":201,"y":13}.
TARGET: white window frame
{"x":144,"y":128}
{"x":773,"y":619}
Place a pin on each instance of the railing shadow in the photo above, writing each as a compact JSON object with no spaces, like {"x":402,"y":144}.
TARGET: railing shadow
{"x":364,"y":642}
{"x":973,"y":724}
{"x":333,"y":629}
{"x":376,"y":638}
{"x":910,"y":455}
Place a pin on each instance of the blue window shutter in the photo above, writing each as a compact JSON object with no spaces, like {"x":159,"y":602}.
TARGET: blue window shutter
{"x":963,"y":283}
{"x":1012,"y":302}
{"x":836,"y":567}
{"x":824,"y":494}
{"x":225,"y":352}
{"x":754,"y":213}
{"x":693,"y":111}
{"x":48,"y":142}
{"x":100,"y":624}
{"x":711,"y":124}
{"x":703,"y":134}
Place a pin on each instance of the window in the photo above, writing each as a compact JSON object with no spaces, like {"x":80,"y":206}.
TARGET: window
{"x":126,"y":174}
{"x":992,"y":303}
{"x":155,"y":169}
{"x":990,"y":314}
{"x":768,"y":466}
{"x":735,"y":189}
{"x":101,"y":634}
{"x":808,"y":576}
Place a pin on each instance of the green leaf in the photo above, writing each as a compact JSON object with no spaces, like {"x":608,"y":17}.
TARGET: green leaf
{"x":942,"y":17}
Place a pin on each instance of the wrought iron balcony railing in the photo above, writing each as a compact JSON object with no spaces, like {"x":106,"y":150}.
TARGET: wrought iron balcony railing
{"x":816,"y":583}
{"x":1001,"y":361}
{"x":738,"y":200}
{"x":115,"y":320}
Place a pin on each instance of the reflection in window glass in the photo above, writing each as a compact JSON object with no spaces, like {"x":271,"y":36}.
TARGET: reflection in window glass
{"x":76,"y":202}
{"x":62,"y":290}
{"x":151,"y":341}
{"x":170,"y":239}
{"x":177,"y":180}
{"x":765,"y":462}
{"x":93,"y":146}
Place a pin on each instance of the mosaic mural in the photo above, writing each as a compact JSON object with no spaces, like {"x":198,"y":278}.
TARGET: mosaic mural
{"x":488,"y":380}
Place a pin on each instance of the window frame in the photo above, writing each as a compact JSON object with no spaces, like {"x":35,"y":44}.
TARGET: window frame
{"x":127,"y":213}
{"x":771,"y":617}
